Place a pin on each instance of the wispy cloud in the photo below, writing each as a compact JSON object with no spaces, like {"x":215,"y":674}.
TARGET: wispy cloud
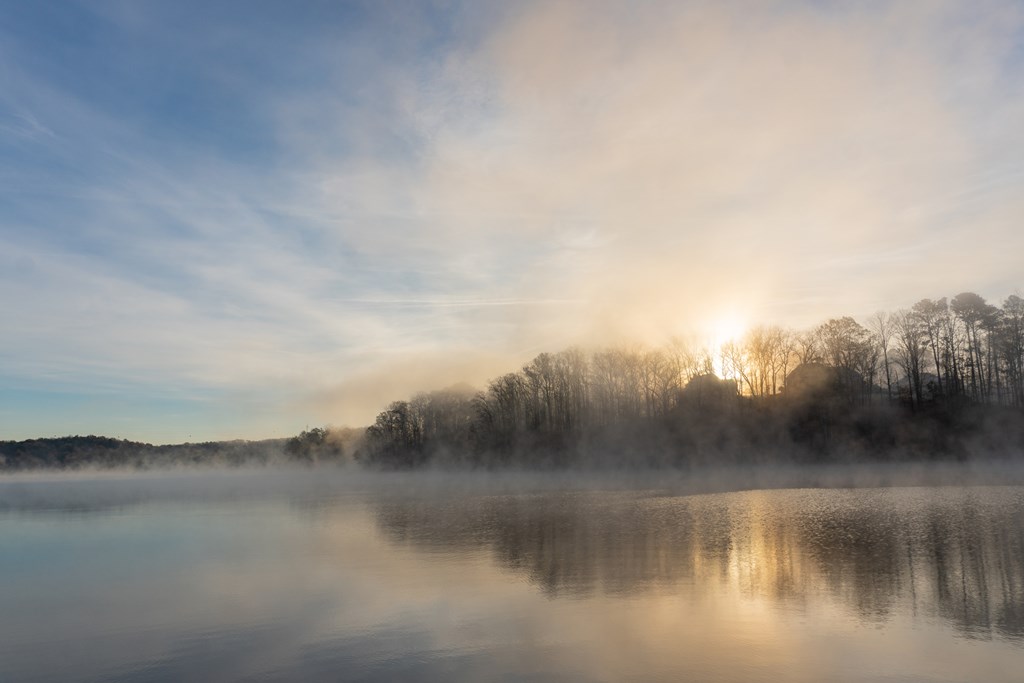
{"x":315,"y":202}
{"x":25,"y":125}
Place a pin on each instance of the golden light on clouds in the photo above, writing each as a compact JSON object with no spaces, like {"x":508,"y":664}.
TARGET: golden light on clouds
{"x":679,"y":169}
{"x":492,"y":181}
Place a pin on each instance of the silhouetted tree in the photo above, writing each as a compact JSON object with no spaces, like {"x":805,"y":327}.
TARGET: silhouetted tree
{"x":978,"y":318}
{"x":847,"y":346}
{"x":395,"y":439}
{"x":911,"y":350}
{"x":930,"y":316}
{"x":313,"y":445}
{"x":882,"y":326}
{"x":1011,"y":339}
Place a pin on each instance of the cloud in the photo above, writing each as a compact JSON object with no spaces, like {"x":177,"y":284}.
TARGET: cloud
{"x":482,"y":183}
{"x":720,"y":153}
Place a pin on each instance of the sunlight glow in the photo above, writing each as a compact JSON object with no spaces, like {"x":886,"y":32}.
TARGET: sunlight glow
{"x":727,"y":327}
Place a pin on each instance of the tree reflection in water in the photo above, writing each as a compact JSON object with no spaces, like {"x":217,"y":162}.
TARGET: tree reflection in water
{"x":952,"y":553}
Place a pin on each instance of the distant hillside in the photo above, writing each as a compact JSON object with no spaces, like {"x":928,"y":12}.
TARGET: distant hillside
{"x":80,"y":452}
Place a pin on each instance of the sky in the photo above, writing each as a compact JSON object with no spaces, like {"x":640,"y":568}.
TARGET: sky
{"x":241,"y":219}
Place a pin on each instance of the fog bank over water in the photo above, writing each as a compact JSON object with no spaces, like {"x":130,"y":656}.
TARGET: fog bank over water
{"x":103,"y":489}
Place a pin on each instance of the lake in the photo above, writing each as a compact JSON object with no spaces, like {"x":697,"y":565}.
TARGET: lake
{"x":324,"y":576}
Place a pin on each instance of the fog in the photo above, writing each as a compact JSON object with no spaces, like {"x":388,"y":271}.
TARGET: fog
{"x":105,"y":489}
{"x":567,"y":340}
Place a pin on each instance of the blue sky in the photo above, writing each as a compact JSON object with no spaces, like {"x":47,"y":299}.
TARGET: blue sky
{"x":236,"y":219}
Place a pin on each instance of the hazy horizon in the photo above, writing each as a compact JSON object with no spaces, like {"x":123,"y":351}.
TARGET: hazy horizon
{"x":238,"y":220}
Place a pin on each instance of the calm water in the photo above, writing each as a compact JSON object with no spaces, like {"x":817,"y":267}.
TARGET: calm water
{"x":313,"y":577}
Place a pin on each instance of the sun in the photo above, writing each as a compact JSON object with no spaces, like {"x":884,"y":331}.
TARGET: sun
{"x":726,"y":328}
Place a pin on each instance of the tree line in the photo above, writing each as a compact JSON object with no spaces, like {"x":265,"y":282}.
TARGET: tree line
{"x":926,"y":381}
{"x":943,"y":378}
{"x":100,"y":452}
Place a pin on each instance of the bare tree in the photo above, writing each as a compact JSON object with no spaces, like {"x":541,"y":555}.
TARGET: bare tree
{"x":808,"y":347}
{"x":931,"y":315}
{"x":847,"y":346}
{"x":910,"y":340}
{"x":882,"y":325}
{"x":978,"y":319}
{"x":1012,"y":343}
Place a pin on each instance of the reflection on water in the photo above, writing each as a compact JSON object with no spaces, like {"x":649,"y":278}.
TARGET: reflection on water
{"x":957,"y":553}
{"x":264,"y":579}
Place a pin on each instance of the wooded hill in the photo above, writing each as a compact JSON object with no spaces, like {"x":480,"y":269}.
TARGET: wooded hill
{"x":942,"y":379}
{"x":82,"y":452}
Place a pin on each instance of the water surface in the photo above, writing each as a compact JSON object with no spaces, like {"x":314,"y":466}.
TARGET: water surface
{"x":303,"y":576}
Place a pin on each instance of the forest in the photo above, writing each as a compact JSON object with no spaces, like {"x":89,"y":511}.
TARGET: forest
{"x":941,"y":380}
{"x":101,"y":452}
